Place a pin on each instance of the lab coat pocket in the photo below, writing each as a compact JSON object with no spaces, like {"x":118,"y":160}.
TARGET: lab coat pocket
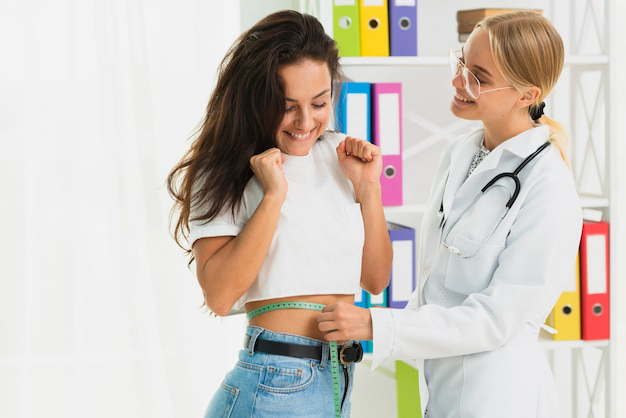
{"x":473,"y":274}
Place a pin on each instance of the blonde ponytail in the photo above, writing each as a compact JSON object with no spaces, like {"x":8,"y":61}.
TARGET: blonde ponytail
{"x":558,"y":137}
{"x":529,"y":52}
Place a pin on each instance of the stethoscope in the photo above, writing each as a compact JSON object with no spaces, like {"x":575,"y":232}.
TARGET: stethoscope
{"x":513,"y":176}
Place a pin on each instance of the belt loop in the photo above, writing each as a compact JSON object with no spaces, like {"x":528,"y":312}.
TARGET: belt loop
{"x":325,"y":355}
{"x":255,"y":332}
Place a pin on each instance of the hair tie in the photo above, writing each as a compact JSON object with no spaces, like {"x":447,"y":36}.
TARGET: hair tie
{"x":536,"y":112}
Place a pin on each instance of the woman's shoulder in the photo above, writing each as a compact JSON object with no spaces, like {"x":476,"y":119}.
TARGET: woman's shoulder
{"x":553,"y":183}
{"x":328,"y":142}
{"x":331,"y":138}
{"x":253,"y":192}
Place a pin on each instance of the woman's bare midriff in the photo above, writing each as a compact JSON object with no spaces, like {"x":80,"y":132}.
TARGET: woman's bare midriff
{"x":294,"y":321}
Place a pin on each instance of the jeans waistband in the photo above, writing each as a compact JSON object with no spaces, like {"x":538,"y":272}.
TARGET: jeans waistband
{"x":270,"y":342}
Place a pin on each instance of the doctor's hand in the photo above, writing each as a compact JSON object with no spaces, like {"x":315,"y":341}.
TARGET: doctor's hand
{"x":343,"y":321}
{"x":360,"y":161}
{"x":268,"y":168}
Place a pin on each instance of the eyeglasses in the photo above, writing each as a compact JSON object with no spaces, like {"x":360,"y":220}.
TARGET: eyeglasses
{"x":470,"y":82}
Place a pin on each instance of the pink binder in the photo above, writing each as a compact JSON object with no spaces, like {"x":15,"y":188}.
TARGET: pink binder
{"x":387,"y":134}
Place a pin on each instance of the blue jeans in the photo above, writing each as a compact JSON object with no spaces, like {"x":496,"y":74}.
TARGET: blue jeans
{"x":268,"y":385}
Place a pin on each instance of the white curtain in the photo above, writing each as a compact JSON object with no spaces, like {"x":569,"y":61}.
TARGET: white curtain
{"x":99,"y":316}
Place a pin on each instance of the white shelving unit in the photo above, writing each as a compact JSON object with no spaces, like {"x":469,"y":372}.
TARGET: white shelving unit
{"x":584,"y":370}
{"x":443,"y":61}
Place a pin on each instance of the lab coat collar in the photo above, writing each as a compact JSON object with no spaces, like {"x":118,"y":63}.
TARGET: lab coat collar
{"x":526,"y":142}
{"x":521,"y":145}
{"x":460,"y":161}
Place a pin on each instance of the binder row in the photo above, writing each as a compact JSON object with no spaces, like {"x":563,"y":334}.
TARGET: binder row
{"x":402,"y":280}
{"x":373,"y":111}
{"x":375,"y":27}
{"x":583,"y":311}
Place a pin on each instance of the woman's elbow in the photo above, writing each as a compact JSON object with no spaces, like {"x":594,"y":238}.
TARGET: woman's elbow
{"x":376,"y":285}
{"x":219,"y":304}
{"x":219,"y":308}
{"x":380,"y":288}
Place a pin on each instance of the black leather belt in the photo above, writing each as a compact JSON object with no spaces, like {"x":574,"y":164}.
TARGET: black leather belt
{"x":348,"y":353}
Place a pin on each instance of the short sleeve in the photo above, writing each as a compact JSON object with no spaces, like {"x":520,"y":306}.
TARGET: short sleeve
{"x":225,"y":224}
{"x":222,"y":225}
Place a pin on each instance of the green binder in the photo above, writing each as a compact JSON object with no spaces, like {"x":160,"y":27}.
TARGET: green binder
{"x":408,"y":390}
{"x":346,"y":27}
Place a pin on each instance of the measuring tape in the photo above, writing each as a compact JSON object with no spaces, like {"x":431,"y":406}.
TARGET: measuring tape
{"x":334,"y":361}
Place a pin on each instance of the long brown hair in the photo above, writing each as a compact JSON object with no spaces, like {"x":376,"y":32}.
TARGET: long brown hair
{"x":529,"y":51}
{"x":243,"y":115}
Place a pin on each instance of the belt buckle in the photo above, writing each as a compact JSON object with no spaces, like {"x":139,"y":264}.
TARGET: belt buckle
{"x":355,"y":349}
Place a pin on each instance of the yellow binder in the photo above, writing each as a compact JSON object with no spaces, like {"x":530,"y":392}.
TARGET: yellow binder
{"x":565,"y":316}
{"x":374,"y":17}
{"x":346,"y":27}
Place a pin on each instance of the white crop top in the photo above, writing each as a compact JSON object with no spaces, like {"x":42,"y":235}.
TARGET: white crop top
{"x":318,"y":242}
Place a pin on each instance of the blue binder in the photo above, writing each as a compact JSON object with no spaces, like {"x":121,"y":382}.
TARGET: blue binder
{"x":353,"y":110}
{"x":378,"y":300}
{"x":360,"y":299}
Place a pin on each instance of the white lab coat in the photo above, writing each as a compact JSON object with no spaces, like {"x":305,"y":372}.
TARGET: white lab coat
{"x":475,"y":321}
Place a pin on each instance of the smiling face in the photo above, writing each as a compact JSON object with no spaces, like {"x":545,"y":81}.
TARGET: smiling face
{"x":497,"y":98}
{"x":307,"y":87}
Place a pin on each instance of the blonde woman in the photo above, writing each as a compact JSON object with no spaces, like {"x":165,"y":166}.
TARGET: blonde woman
{"x":498,"y":239}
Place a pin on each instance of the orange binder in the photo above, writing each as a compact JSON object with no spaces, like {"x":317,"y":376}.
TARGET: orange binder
{"x":594,"y":281}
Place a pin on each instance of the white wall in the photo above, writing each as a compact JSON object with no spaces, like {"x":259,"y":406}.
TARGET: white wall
{"x":99,"y":315}
{"x":218,"y":340}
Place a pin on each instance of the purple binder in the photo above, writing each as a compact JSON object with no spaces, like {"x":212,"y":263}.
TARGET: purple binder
{"x":403,"y":27}
{"x":402,"y":283}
